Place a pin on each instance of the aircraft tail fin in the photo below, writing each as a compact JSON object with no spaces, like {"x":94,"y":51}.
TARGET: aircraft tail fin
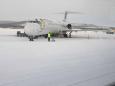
{"x":68,"y":12}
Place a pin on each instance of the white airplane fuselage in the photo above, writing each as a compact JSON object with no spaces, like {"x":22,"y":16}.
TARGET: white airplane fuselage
{"x":45,"y":26}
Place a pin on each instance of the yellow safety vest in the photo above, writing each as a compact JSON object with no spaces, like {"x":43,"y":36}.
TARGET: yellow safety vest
{"x":49,"y":35}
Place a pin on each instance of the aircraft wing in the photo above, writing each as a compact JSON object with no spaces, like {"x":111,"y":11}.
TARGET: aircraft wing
{"x":90,"y":27}
{"x":87,"y":27}
{"x":12,"y":24}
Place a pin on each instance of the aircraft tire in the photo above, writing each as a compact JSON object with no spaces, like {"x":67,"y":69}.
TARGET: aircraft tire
{"x":31,"y":38}
{"x":65,"y":35}
{"x":18,"y":33}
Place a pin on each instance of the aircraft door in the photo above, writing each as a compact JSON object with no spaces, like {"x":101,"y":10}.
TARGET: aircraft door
{"x":42,"y":24}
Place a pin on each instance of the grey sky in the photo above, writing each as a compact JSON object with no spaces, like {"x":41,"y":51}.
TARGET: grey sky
{"x":100,"y":12}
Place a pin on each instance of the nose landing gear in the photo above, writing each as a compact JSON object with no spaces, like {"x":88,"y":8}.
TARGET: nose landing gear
{"x":19,"y":34}
{"x":31,"y":38}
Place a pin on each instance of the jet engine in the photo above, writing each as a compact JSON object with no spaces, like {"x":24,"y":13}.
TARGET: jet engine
{"x":69,"y":26}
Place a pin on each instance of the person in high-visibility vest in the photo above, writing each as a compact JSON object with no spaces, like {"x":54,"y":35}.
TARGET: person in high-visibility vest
{"x":49,"y":36}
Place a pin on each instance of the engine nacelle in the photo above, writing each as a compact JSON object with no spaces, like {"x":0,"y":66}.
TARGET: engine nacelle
{"x":69,"y":26}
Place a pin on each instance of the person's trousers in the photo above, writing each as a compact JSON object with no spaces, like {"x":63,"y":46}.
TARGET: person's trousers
{"x":48,"y":38}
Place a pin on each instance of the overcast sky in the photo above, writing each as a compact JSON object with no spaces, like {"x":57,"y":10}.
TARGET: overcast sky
{"x":100,"y":12}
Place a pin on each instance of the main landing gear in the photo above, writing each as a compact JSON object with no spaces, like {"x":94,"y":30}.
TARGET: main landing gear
{"x":65,"y":35}
{"x":70,"y":34}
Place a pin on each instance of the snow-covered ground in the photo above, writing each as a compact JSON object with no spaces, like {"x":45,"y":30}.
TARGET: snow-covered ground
{"x":81,"y":61}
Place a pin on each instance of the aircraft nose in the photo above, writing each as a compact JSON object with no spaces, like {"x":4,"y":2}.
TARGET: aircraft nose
{"x":36,"y":28}
{"x":32,"y":29}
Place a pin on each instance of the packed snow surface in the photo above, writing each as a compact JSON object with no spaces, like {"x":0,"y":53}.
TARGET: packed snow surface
{"x":85,"y":60}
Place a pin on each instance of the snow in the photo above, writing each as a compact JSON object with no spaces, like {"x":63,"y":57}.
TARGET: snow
{"x":88,"y":60}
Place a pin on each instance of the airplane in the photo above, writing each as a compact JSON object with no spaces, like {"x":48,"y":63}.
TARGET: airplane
{"x":41,"y":27}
